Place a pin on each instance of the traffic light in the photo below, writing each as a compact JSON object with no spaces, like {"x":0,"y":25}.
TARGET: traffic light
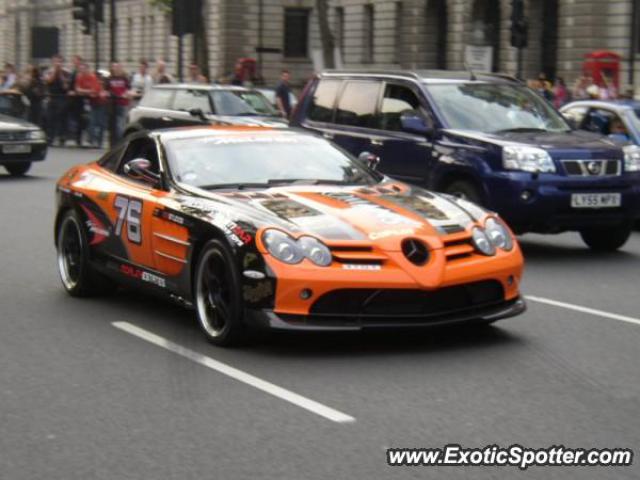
{"x":185,"y":15}
{"x":519,"y":26}
{"x":82,"y":12}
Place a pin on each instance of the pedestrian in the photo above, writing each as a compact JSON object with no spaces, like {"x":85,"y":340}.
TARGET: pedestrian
{"x":283,"y":94}
{"x":560,"y":93}
{"x":195,"y":75}
{"x":32,"y":85}
{"x":58,"y":82}
{"x":76,"y":104}
{"x":9,"y":77}
{"x":141,"y":82}
{"x":118,"y":88}
{"x":98,"y":100}
{"x":161,"y":76}
{"x":83,"y":88}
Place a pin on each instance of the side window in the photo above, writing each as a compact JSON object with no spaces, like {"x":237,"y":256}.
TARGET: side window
{"x":158,"y":98}
{"x":576,"y":114}
{"x":324,"y":98}
{"x":599,"y":121}
{"x":140,"y":148}
{"x":188,"y":99}
{"x":357,"y":104}
{"x":397,"y":100}
{"x":110,"y":159}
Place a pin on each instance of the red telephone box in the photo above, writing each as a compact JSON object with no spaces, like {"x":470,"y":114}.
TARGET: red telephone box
{"x":600,"y":64}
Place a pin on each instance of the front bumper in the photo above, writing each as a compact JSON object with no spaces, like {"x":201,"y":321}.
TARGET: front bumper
{"x":38,"y":152}
{"x":350,"y":322}
{"x":549,"y":210}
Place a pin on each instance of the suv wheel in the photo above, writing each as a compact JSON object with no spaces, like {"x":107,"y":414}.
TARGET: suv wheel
{"x":465,"y":190}
{"x":606,"y":239}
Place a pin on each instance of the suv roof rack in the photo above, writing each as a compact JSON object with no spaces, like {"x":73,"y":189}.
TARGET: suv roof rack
{"x":422,"y":74}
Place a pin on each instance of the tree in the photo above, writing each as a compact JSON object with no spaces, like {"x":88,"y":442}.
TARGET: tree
{"x":201,"y":45}
{"x":326,"y":37}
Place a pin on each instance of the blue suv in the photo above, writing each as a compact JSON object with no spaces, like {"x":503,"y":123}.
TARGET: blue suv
{"x":484,"y":137}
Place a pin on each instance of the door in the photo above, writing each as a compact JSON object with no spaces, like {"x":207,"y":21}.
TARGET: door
{"x":405,"y":156}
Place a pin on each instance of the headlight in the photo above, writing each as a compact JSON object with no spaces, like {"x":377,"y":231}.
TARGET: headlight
{"x":527,"y":159}
{"x":631,"y":158}
{"x":282,"y":246}
{"x":37,"y":135}
{"x":482,"y":242}
{"x":498,"y":234}
{"x":315,"y":250}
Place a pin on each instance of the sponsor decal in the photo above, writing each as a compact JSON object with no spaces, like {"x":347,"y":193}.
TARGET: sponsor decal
{"x":368,"y":267}
{"x":95,"y":226}
{"x":170,"y":217}
{"x":236,"y":234}
{"x":382,"y":214}
{"x":394,"y":232}
{"x":139,"y":274}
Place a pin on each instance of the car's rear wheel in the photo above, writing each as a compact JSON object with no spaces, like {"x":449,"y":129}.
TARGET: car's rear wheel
{"x":78,"y":277}
{"x":218,"y":295}
{"x":606,"y":239}
{"x":18,"y":169}
{"x":464,"y":189}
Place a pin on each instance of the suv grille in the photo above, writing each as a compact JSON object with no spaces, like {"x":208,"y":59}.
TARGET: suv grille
{"x":592,"y":168}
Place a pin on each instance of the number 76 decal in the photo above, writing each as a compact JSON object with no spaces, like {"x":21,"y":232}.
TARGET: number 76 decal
{"x":130,"y":210}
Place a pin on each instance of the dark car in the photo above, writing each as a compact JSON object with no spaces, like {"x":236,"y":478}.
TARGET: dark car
{"x":21,"y":142}
{"x":180,"y":105}
{"x":487,"y":138}
{"x":617,"y":119}
{"x":281,"y":229}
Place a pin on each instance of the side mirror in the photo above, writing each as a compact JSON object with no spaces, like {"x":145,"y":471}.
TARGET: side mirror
{"x":140,"y":169}
{"x":412,"y":123}
{"x":369,"y":159}
{"x":197,"y":112}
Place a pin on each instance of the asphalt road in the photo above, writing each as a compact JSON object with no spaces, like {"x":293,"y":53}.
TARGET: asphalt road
{"x":81,"y":399}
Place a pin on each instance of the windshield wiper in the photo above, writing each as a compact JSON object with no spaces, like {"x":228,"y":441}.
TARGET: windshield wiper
{"x":235,"y":186}
{"x":522,"y":129}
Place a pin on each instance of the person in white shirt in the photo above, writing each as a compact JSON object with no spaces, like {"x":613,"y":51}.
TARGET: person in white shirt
{"x":10,"y":78}
{"x":141,"y":81}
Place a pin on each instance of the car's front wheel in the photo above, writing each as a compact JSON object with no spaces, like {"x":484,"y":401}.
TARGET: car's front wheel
{"x":18,"y":169}
{"x":606,"y":239}
{"x":78,"y":277}
{"x":464,"y":189}
{"x":217,"y":293}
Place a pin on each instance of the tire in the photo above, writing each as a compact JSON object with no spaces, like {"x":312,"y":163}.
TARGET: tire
{"x":217,"y":295}
{"x":464,"y":189}
{"x":18,"y":169}
{"x":79,"y":279}
{"x":606,"y":239}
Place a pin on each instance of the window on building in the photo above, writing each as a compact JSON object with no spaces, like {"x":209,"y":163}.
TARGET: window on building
{"x":357,"y":104}
{"x":296,"y":32}
{"x":367,"y":40}
{"x":339,"y":29}
{"x":130,"y":39}
{"x":324,"y":98}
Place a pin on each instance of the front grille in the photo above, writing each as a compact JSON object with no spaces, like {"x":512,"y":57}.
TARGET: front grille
{"x":13,"y":136}
{"x":592,"y":168}
{"x":411,"y":303}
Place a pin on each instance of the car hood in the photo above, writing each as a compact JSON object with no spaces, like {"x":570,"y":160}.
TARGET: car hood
{"x":576,"y":140}
{"x":13,"y":123}
{"x":383,"y":214}
{"x":252,"y":121}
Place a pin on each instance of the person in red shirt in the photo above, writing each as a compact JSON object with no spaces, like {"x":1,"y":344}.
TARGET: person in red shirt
{"x":119,"y":91}
{"x":82,"y":87}
{"x":89,"y":86}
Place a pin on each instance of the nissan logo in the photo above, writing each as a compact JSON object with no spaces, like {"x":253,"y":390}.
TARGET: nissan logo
{"x":594,"y":168}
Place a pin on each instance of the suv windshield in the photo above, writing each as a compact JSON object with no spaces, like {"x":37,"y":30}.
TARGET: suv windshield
{"x":241,"y":102}
{"x":494,"y":108}
{"x":262,"y":160}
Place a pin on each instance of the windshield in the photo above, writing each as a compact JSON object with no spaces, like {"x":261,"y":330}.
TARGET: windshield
{"x":262,"y":160}
{"x":229,"y":102}
{"x":493,"y":108}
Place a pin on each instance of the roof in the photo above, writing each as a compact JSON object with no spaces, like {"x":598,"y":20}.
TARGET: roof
{"x":618,"y":105}
{"x":199,"y":86}
{"x":429,"y":76}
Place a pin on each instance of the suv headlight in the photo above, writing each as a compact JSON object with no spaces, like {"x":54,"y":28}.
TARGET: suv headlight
{"x":290,"y":251}
{"x":482,"y":242}
{"x":37,"y":135}
{"x":498,"y":233}
{"x":631,"y":158}
{"x":527,"y":159}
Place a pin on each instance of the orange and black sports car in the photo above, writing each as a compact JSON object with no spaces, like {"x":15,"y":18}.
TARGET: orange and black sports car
{"x":279,"y":228}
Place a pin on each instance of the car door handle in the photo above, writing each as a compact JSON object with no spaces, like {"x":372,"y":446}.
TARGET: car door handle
{"x":328,"y":136}
{"x":166,"y":119}
{"x":378,"y":143}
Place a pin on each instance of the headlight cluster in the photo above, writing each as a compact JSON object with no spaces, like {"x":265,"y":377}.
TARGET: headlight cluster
{"x":495,"y":234}
{"x":288,"y":250}
{"x":527,"y":159}
{"x":37,"y":135}
{"x":631,"y":158}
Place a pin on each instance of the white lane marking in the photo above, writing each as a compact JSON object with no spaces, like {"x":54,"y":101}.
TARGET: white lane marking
{"x":244,"y":377}
{"x":579,"y":308}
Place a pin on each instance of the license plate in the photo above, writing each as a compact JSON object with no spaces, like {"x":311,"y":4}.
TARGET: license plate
{"x":16,"y":149}
{"x":596,"y":200}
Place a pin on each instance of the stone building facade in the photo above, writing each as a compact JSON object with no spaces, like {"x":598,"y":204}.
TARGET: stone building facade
{"x":372,"y":33}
